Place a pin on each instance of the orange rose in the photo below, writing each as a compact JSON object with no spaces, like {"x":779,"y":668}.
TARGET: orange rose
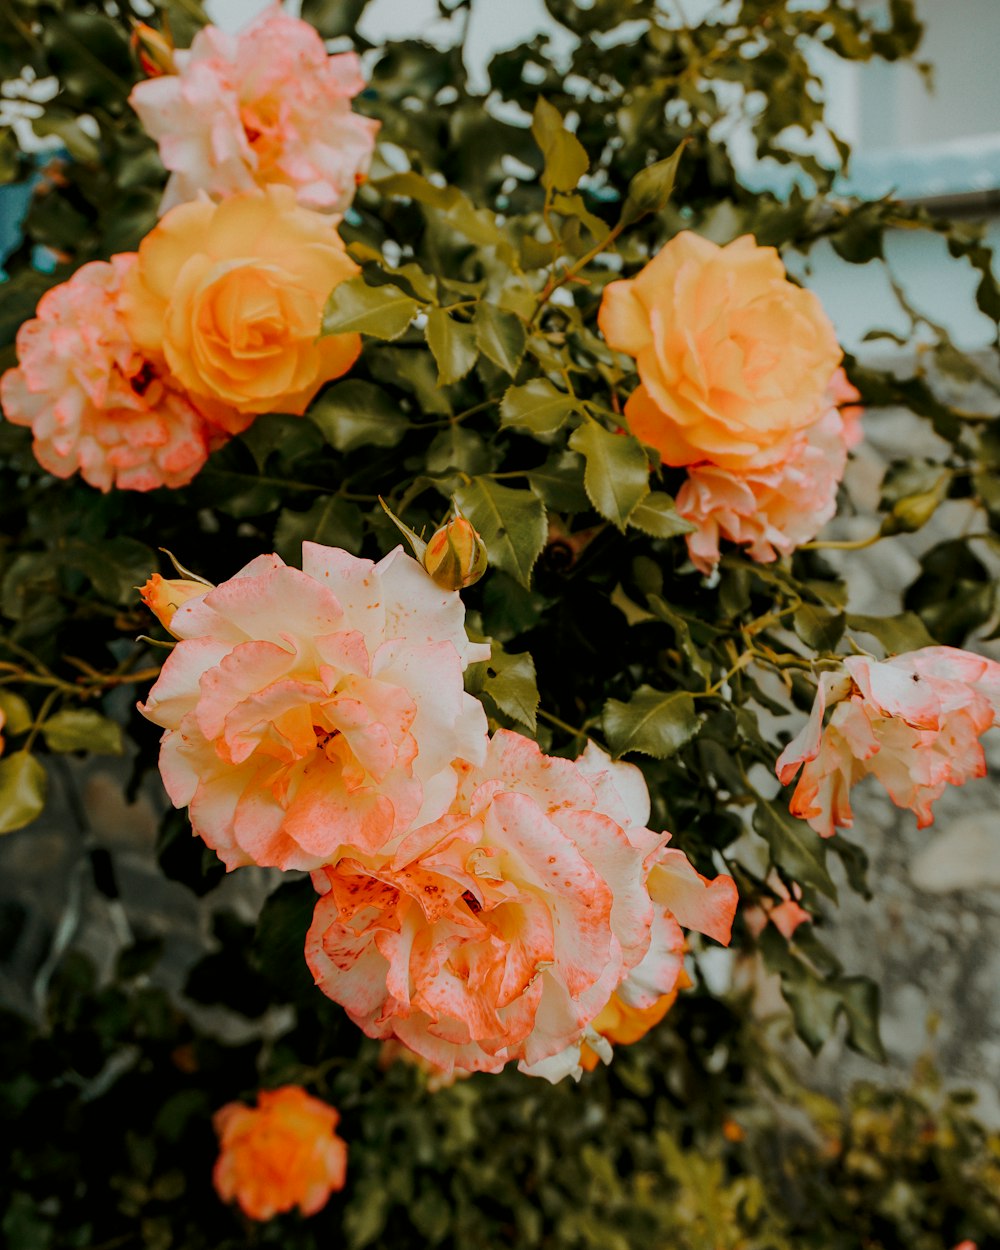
{"x":623,"y":1024}
{"x":733,"y":359}
{"x":232,"y":294}
{"x":280,"y":1154}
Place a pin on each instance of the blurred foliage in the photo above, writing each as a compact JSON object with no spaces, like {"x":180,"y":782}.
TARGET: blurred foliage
{"x":487,"y":231}
{"x":698,"y":1137}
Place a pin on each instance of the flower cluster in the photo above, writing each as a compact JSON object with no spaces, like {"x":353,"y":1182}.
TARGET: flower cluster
{"x":739,"y":383}
{"x":479,"y":901}
{"x":914,"y":721}
{"x":134,"y":370}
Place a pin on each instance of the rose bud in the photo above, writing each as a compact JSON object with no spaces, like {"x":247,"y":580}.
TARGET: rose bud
{"x":456,"y":555}
{"x":153,"y":50}
{"x":163,"y":596}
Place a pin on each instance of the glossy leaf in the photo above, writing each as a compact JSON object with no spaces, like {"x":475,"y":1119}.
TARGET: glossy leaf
{"x":538,"y":407}
{"x":652,"y":722}
{"x":22,"y":790}
{"x":511,"y":523}
{"x":357,"y":414}
{"x":383,"y":312}
{"x":453,"y":345}
{"x":501,"y":336}
{"x":82,"y":729}
{"x":565,"y":156}
{"x":617,"y":472}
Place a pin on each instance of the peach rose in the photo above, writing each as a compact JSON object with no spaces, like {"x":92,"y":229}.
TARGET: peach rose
{"x":500,"y":931}
{"x":775,"y":508}
{"x":281,"y":1154}
{"x":232,"y":296}
{"x":733,"y":359}
{"x":266,"y":107}
{"x":96,"y":401}
{"x":315,"y":713}
{"x":914,"y":721}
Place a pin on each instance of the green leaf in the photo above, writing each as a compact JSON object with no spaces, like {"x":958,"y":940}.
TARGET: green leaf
{"x":280,"y":937}
{"x":17,"y":714}
{"x":384,"y":312}
{"x":331,"y":521}
{"x":904,"y":632}
{"x":501,"y":336}
{"x":510,"y":522}
{"x":795,"y":848}
{"x":657,"y":515}
{"x":650,"y":190}
{"x":358,"y":414}
{"x":82,"y":729}
{"x":565,"y":156}
{"x":819,"y":628}
{"x":453,"y":345}
{"x":559,"y":481}
{"x":536,"y":408}
{"x":511,"y":683}
{"x":22,"y":790}
{"x":333,"y":18}
{"x":652,"y":722}
{"x":617,"y":473}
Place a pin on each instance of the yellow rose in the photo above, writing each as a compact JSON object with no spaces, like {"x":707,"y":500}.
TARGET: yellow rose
{"x":733,"y":359}
{"x":232,"y":295}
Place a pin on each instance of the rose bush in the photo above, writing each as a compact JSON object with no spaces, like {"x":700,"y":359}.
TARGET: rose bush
{"x":571,"y":344}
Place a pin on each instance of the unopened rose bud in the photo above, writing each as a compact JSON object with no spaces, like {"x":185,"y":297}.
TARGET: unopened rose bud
{"x":154,"y":51}
{"x":456,"y":555}
{"x":163,"y":596}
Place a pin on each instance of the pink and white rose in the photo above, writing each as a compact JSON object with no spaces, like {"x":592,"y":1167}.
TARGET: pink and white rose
{"x":499,"y":932}
{"x":914,"y":721}
{"x":98,"y":403}
{"x":316,"y":713}
{"x":778,"y":507}
{"x":266,"y":106}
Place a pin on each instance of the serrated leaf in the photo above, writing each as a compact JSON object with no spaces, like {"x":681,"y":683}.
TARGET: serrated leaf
{"x":617,"y":473}
{"x":358,"y":414}
{"x":656,"y":514}
{"x":501,"y":336}
{"x":651,"y":188}
{"x":22,"y":790}
{"x":538,"y":407}
{"x":652,"y":722}
{"x":795,"y":847}
{"x":82,"y":729}
{"x":510,"y":522}
{"x":452,"y":344}
{"x":511,"y":683}
{"x":354,"y":307}
{"x":565,"y":156}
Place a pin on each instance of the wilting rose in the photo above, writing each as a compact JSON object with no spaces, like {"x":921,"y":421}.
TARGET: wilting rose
{"x":97,"y":402}
{"x":266,"y":107}
{"x":914,"y":721}
{"x":733,"y":359}
{"x":281,"y":1154}
{"x":232,"y":296}
{"x":775,"y":508}
{"x":313,"y":714}
{"x":499,"y":931}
